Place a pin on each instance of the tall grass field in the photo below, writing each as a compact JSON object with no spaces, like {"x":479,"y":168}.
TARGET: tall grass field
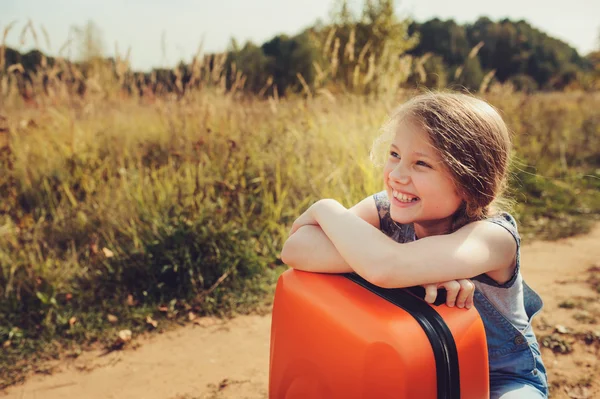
{"x":154,"y":207}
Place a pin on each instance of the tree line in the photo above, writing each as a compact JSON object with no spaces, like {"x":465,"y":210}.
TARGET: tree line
{"x":367,"y":53}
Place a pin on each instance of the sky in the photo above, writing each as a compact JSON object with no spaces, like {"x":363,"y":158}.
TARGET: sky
{"x":180,"y":26}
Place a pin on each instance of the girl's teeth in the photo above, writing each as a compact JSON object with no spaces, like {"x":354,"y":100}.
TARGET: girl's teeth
{"x":404,"y":198}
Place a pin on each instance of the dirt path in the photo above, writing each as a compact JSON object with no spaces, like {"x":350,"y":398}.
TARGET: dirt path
{"x":222,"y":360}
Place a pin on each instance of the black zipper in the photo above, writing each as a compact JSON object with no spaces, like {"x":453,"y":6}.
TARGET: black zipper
{"x":438,"y":333}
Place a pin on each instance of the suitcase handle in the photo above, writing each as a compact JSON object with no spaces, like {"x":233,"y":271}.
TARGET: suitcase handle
{"x":419,"y":292}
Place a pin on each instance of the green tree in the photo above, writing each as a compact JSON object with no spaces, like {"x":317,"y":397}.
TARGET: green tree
{"x":510,"y":48}
{"x":514,"y":48}
{"x":444,"y":38}
{"x":252,"y":63}
{"x":289,"y":59}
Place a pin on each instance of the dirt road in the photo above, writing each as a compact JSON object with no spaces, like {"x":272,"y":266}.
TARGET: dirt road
{"x":223,"y":360}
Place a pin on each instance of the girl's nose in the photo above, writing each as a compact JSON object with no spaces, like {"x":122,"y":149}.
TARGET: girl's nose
{"x":400,"y":174}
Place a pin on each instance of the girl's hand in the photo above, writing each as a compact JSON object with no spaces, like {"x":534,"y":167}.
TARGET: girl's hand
{"x":459,"y":292}
{"x":307,"y":218}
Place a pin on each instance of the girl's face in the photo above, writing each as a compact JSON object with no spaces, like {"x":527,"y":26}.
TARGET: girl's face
{"x":419,"y":186}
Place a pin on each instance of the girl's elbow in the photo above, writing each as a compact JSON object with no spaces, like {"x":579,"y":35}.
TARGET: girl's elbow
{"x":290,"y":258}
{"x":388,"y":274}
{"x":378,"y":275}
{"x":287,"y":254}
{"x":379,"y":279}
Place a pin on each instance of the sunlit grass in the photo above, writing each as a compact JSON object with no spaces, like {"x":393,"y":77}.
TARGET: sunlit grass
{"x":186,"y":201}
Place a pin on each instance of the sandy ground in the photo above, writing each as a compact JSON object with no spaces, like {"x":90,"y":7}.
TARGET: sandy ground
{"x":229,"y":359}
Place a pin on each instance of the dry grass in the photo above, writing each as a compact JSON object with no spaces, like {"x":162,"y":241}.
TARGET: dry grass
{"x":116,"y":202}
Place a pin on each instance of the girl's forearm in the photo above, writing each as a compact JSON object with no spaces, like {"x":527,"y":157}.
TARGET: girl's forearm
{"x":309,"y":249}
{"x":351,"y":236}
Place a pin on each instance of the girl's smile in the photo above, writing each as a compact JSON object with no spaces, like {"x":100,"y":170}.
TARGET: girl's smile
{"x":403,"y":199}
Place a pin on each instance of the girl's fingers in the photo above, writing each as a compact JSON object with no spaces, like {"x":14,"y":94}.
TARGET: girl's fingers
{"x":465,"y":297}
{"x":430,"y":293}
{"x":469,"y":301}
{"x":452,"y":291}
{"x":305,"y":219}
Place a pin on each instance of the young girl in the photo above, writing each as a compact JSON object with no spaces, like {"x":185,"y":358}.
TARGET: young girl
{"x":447,"y":166}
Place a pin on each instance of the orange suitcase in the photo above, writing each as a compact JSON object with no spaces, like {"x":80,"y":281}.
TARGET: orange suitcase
{"x":338,"y":336}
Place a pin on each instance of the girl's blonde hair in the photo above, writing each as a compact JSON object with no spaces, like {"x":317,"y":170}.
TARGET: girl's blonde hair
{"x":473,"y":142}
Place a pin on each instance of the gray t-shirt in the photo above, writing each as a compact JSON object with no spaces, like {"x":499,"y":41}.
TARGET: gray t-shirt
{"x":507,"y":298}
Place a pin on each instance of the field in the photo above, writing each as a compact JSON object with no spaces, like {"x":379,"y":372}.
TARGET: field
{"x":120,"y":211}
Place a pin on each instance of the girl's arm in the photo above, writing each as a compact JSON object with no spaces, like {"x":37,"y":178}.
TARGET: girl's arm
{"x":477,"y":248}
{"x":309,"y":248}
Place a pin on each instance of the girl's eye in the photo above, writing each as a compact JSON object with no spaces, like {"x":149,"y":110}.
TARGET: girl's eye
{"x":420,"y":163}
